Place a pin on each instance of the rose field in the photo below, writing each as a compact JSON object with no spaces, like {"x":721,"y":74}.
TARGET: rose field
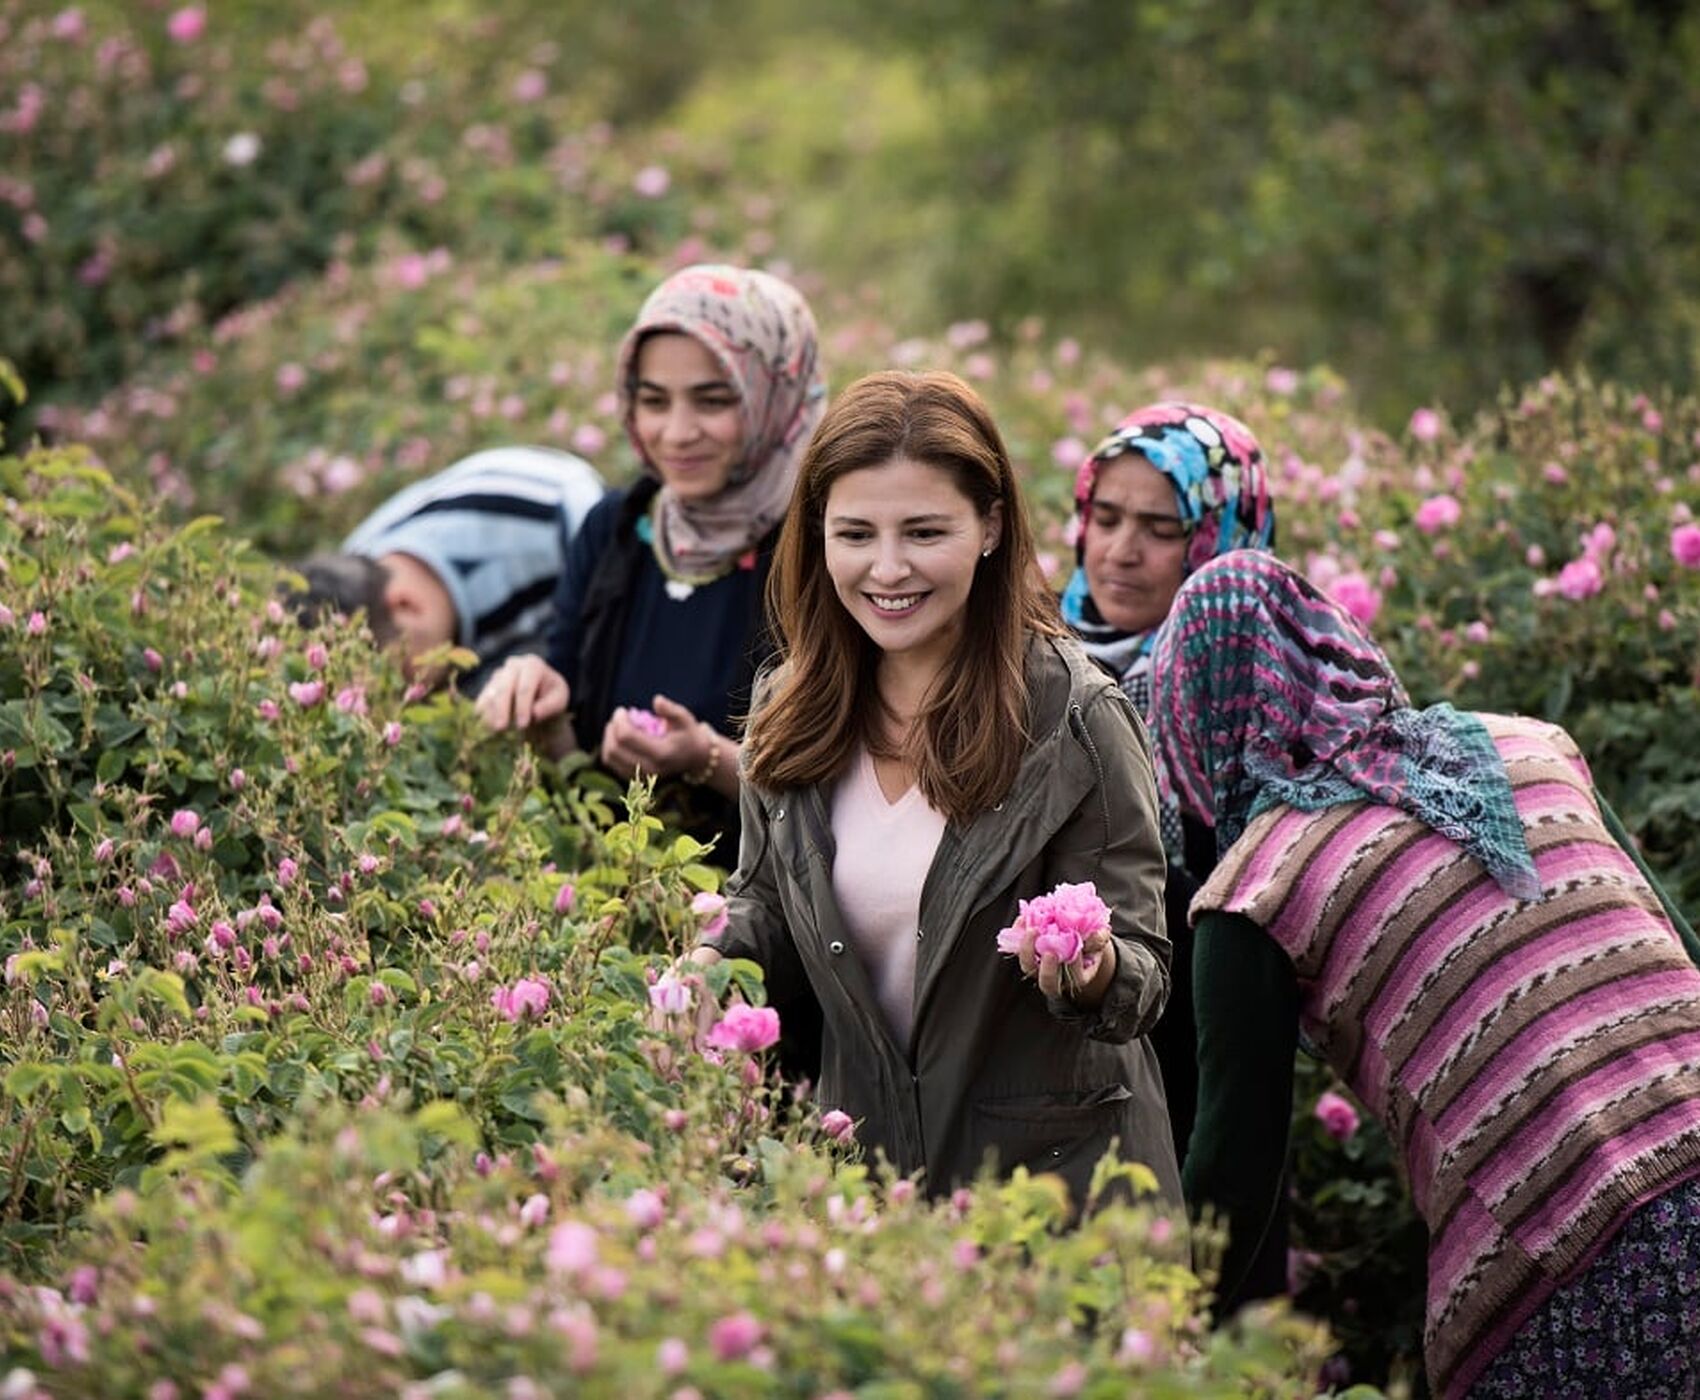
{"x":340,"y":1050}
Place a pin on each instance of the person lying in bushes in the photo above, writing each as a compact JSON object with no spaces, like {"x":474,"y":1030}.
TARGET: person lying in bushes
{"x":468,"y":557}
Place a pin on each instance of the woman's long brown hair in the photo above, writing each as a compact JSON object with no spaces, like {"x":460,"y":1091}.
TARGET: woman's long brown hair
{"x":968,"y":739}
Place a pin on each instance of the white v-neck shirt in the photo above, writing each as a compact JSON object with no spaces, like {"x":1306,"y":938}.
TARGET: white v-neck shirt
{"x":884,"y":850}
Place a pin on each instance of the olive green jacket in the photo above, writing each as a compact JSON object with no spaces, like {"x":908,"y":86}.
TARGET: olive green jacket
{"x":992,"y":1065}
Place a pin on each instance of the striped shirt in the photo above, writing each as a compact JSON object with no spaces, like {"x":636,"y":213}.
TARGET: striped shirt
{"x":495,"y":529}
{"x":1536,"y":1063}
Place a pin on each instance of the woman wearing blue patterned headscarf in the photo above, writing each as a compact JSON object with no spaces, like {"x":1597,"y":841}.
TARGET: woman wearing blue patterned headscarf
{"x":1175,"y":485}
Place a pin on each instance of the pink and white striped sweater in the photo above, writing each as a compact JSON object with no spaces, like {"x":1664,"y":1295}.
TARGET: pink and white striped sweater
{"x":1536,"y":1063}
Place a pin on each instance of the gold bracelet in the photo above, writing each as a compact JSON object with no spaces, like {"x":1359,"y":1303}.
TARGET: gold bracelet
{"x":706,"y":773}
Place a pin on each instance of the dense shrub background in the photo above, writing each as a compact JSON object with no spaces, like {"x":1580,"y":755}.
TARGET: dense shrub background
{"x":266,"y":264}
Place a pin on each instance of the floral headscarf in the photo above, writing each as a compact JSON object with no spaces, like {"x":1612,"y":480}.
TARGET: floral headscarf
{"x":1266,"y":691}
{"x":762,"y":334}
{"x":1221,"y":487}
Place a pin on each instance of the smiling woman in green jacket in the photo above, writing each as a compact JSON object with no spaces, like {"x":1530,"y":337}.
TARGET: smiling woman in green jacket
{"x":929,"y":750}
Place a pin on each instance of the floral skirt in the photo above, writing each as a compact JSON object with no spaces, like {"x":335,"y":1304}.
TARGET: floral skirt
{"x":1626,"y":1328}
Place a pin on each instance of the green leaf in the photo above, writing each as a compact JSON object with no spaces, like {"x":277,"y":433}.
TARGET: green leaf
{"x":27,"y":1077}
{"x":198,"y":1125}
{"x":447,"y":1120}
{"x":686,"y":848}
{"x":703,"y":877}
{"x":11,"y":382}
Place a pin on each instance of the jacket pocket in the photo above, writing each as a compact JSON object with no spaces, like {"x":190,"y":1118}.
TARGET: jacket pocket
{"x":1062,"y":1133}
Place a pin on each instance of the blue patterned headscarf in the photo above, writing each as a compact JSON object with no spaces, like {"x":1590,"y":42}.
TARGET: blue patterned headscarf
{"x":1266,"y":691}
{"x":1221,"y":489}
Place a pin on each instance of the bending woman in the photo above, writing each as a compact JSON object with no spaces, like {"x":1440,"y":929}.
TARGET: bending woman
{"x":1175,"y":485}
{"x":658,"y":617}
{"x":930,"y":750}
{"x":1442,"y":903}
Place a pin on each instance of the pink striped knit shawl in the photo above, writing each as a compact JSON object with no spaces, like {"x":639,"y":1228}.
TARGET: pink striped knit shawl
{"x":1536,"y":1063}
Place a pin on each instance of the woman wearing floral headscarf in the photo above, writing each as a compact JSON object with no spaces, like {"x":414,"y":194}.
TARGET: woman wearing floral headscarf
{"x":1176,"y":484}
{"x":1462,"y":929}
{"x":659,"y":624}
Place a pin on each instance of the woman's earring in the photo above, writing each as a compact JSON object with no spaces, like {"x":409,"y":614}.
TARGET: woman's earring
{"x":986,"y":553}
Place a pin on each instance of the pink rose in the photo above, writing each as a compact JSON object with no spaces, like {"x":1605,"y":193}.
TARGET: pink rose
{"x":746,"y":1028}
{"x":670,"y":996}
{"x":1338,"y":1118}
{"x":838,"y":1125}
{"x":1438,"y":513}
{"x":185,"y":822}
{"x":1602,"y":539}
{"x":573,"y":1248}
{"x":1057,"y":924}
{"x":527,"y":997}
{"x":1063,"y":944}
{"x":306,"y":694}
{"x":1685,"y":546}
{"x":645,"y":1209}
{"x":734,"y":1337}
{"x":1357,"y":596}
{"x":711,"y":909}
{"x":187,"y":24}
{"x":1425,"y":425}
{"x":1580,"y":578}
{"x":1017,"y":936}
{"x":652,"y":181}
{"x":647,"y":722}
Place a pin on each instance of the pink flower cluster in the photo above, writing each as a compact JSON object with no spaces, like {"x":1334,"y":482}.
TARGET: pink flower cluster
{"x":1057,"y":924}
{"x":527,"y":997}
{"x":745,"y":1028}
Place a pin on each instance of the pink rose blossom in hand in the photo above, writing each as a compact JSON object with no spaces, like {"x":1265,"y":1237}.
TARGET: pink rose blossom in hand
{"x":1070,"y":924}
{"x":746,"y":1028}
{"x":1063,"y":944}
{"x":647,"y":722}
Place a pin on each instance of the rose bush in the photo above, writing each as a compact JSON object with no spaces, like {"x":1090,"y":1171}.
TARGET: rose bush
{"x":341,"y":1053}
{"x":241,"y":863}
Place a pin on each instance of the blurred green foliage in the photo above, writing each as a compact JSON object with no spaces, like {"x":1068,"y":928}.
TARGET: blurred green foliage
{"x":1448,"y":197}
